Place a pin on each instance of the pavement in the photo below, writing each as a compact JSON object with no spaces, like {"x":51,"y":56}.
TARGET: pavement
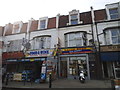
{"x":61,"y":83}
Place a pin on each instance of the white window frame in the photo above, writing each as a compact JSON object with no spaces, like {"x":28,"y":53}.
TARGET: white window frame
{"x":67,"y":41}
{"x":74,"y":12}
{"x":110,"y":36}
{"x":41,"y":44}
{"x":16,"y":45}
{"x":112,"y":6}
{"x":114,"y":13}
{"x":19,"y":29}
{"x":46,"y":22}
{"x":5,"y":29}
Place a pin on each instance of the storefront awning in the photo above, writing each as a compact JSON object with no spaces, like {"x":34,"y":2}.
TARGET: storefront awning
{"x":110,"y":56}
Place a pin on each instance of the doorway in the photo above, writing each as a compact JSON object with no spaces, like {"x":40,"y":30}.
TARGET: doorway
{"x":76,"y":64}
{"x":117,"y":69}
{"x":63,"y":72}
{"x":105,"y":69}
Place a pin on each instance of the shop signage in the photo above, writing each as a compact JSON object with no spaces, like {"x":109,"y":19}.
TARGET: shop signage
{"x":110,"y":48}
{"x":26,"y":60}
{"x":11,"y":55}
{"x":39,"y":53}
{"x":17,"y":76}
{"x":76,"y":50}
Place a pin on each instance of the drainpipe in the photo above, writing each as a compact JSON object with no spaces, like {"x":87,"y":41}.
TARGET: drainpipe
{"x":99,"y":52}
{"x":57,"y":46}
{"x":93,"y":41}
{"x":96,"y":47}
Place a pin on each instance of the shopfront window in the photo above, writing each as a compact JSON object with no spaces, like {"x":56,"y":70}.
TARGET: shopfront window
{"x":76,"y":64}
{"x":71,"y":66}
{"x":117,"y":69}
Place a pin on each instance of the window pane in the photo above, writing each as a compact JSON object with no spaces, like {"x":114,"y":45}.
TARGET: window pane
{"x":119,"y":39}
{"x":113,"y":11}
{"x":73,"y":16}
{"x":114,"y":32}
{"x":66,"y":43}
{"x":73,"y":22}
{"x":47,"y":42}
{"x":78,"y":42}
{"x":42,"y":24}
{"x":71,"y":36}
{"x":114,"y":16}
{"x":72,"y":43}
{"x":77,"y":35}
{"x":66,"y":40}
{"x":66,"y":37}
{"x":107,"y":37}
{"x":114,"y":40}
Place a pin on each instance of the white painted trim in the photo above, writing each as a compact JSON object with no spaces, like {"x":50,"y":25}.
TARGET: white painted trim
{"x":43,"y":18}
{"x":111,"y":6}
{"x":74,"y":12}
{"x":20,"y":23}
{"x":57,"y":20}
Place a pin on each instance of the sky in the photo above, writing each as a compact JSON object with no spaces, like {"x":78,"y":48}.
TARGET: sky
{"x":23,"y":10}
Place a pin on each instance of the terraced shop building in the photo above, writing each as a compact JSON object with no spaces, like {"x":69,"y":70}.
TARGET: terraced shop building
{"x":72,"y":41}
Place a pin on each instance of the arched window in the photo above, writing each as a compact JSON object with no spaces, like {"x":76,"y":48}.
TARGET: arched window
{"x":75,"y":39}
{"x":112,"y":36}
{"x":41,"y":42}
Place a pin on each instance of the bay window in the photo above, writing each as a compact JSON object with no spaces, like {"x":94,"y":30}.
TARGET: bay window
{"x":112,"y":36}
{"x":14,"y":45}
{"x":75,"y":39}
{"x":42,"y":42}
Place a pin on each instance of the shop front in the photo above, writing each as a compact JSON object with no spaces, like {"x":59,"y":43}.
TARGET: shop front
{"x":35,"y":65}
{"x":110,"y":57}
{"x":26,"y":68}
{"x":111,"y":64}
{"x":46,"y":65}
{"x":73,"y":60}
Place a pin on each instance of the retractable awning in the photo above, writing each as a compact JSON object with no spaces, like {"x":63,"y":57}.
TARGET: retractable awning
{"x":110,"y":56}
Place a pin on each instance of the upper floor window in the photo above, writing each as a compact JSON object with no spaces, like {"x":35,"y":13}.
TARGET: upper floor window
{"x":42,"y":42}
{"x":75,"y":39}
{"x":113,"y":13}
{"x":14,"y":45}
{"x":112,"y":36}
{"x":17,"y":27}
{"x":43,"y":23}
{"x":74,"y":17}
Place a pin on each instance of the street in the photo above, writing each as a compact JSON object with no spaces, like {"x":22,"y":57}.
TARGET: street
{"x":61,"y":83}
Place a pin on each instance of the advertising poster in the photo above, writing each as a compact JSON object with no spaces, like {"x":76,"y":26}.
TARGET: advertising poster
{"x":17,"y":77}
